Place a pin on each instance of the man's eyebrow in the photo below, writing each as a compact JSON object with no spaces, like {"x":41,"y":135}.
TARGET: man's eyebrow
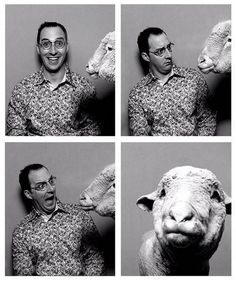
{"x":50,"y":40}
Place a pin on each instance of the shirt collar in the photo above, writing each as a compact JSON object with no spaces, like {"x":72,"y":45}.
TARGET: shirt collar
{"x":35,"y":213}
{"x":175,"y":71}
{"x":42,"y":79}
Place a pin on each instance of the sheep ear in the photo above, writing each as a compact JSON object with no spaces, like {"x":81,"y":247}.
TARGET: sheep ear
{"x":227,"y":204}
{"x":145,"y":202}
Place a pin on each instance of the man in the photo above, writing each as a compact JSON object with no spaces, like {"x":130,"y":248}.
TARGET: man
{"x":54,"y":100}
{"x":54,"y":238}
{"x":169,"y":100}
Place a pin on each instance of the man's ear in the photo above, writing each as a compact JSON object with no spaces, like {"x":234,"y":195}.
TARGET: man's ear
{"x":145,"y":56}
{"x":145,"y":202}
{"x":27,"y":194}
{"x":37,"y":48}
{"x":227,"y":204}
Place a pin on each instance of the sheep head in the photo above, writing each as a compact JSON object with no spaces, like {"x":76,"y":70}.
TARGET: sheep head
{"x":216,"y":55}
{"x":102,"y":63}
{"x":189,"y":209}
{"x":100,"y":194}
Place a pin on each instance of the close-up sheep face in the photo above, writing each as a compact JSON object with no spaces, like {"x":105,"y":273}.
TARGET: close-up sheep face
{"x":189,"y":209}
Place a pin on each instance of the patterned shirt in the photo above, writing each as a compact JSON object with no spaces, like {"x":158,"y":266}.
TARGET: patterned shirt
{"x":37,"y":109}
{"x":177,"y":108}
{"x":66,"y":244}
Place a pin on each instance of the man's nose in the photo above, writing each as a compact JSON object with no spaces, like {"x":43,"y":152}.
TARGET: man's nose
{"x":168,"y":54}
{"x":53,"y":49}
{"x":50,"y":186}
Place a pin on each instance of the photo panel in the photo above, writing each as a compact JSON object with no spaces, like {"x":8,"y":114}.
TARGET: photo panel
{"x":148,"y":108}
{"x":33,"y":109}
{"x":84,"y":174}
{"x":143,"y":167}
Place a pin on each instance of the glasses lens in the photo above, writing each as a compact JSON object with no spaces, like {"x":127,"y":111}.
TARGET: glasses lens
{"x":52,"y":181}
{"x":59,"y":44}
{"x":46,"y":44}
{"x":169,"y":47}
{"x":41,"y":186}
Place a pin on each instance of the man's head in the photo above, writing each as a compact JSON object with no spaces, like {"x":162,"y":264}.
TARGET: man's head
{"x":155,"y":49}
{"x":38,"y":185}
{"x":52,"y":45}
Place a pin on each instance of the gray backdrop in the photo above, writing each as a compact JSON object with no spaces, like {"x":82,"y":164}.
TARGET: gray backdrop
{"x":86,"y":26}
{"x":188,"y":27}
{"x":143,"y":165}
{"x":75,"y":165}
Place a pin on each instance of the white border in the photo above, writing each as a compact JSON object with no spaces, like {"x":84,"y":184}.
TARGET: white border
{"x":118,"y":139}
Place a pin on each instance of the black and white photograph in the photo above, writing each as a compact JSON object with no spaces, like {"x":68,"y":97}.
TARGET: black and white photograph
{"x":176,"y":65}
{"x":85,"y":190}
{"x":177,"y":197}
{"x":54,"y":53}
{"x":60,"y":209}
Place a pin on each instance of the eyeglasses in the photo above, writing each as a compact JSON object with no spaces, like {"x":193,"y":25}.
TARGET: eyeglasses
{"x":160,"y":52}
{"x":41,"y":186}
{"x":58,"y":43}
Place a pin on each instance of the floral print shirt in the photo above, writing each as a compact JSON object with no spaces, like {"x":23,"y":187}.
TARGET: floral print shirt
{"x":36,"y":109}
{"x":177,"y":108}
{"x":66,"y":244}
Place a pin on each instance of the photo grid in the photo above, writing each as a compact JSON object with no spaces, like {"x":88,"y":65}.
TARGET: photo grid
{"x":116,"y":139}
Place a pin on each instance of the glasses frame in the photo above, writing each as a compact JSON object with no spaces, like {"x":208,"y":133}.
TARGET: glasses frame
{"x":163,"y":50}
{"x":53,"y":44}
{"x":45,"y":183}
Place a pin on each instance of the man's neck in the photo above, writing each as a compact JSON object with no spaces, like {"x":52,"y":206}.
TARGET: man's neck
{"x":159,"y":75}
{"x":55,"y":77}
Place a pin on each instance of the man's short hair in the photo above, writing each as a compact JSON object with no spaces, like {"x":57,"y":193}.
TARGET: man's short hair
{"x":144,"y":35}
{"x":24,"y":175}
{"x":51,"y":24}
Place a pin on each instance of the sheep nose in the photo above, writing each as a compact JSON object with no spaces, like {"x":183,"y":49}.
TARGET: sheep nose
{"x":181,"y":212}
{"x":201,"y":60}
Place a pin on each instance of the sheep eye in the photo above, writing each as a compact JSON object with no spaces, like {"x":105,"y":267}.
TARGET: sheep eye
{"x":229,"y":39}
{"x":109,"y":48}
{"x":163,"y":193}
{"x":216,"y":196}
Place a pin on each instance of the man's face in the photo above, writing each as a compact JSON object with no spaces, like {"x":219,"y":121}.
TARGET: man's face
{"x":53,"y":58}
{"x":162,"y":64}
{"x":44,"y":200}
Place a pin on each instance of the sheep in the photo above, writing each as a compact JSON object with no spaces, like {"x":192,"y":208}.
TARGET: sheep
{"x":216,"y":55}
{"x":102,"y":63}
{"x":100,"y":194}
{"x":189,"y":209}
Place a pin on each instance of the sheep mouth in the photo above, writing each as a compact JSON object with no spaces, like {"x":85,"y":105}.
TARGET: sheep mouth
{"x":94,"y":75}
{"x":86,"y":208}
{"x":180,"y":239}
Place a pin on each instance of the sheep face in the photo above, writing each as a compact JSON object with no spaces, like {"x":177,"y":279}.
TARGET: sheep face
{"x":216,"y":55}
{"x":102,"y":63}
{"x":100,"y":194}
{"x":189,"y":209}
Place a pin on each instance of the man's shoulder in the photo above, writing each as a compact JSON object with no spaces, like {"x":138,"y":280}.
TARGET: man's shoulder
{"x":74,"y":208}
{"x":24,"y":224}
{"x":142,"y":83}
{"x":30,"y":79}
{"x":187,"y":71}
{"x":79,"y":80}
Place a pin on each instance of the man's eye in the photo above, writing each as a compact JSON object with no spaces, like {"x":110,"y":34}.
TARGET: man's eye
{"x":46,"y":44}
{"x":59,"y":44}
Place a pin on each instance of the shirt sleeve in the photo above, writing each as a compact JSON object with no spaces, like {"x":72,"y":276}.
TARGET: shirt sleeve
{"x":92,"y":254}
{"x":138,"y":124}
{"x":16,"y":119}
{"x":21,"y":259}
{"x":206,"y":115}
